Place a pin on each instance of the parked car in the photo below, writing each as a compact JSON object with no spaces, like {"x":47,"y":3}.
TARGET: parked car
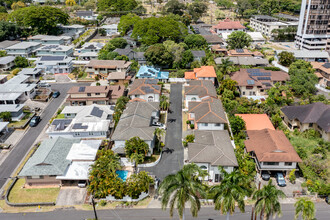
{"x":56,"y":94}
{"x":35,"y":121}
{"x":82,"y":183}
{"x":280,"y":179}
{"x":265,"y":176}
{"x":160,"y":125}
{"x":43,"y":84}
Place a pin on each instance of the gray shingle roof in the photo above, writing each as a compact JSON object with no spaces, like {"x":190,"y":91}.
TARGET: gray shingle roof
{"x":198,"y":53}
{"x":49,"y":158}
{"x":6,"y":60}
{"x":313,"y":113}
{"x":201,"y":88}
{"x":212,"y":147}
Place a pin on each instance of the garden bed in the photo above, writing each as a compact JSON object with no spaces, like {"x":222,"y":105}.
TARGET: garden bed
{"x":21,"y":124}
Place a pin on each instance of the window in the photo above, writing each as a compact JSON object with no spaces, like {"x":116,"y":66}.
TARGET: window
{"x":205,"y":124}
{"x":52,"y":175}
{"x":41,"y":177}
{"x":271,"y":163}
{"x":203,"y":167}
{"x":310,"y":125}
{"x":217,"y":124}
{"x":97,"y":93}
{"x":29,"y":177}
{"x":288,"y":163}
{"x":91,"y":133}
{"x":193,"y":99}
{"x":77,"y":134}
{"x":89,"y":94}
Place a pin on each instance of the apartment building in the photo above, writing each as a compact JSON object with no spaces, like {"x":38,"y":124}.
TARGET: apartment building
{"x":55,"y":64}
{"x":314,"y":25}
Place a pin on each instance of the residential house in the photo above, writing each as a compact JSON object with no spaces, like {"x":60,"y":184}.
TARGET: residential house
{"x":136,"y":120}
{"x":310,"y":56}
{"x":266,"y":24}
{"x":256,"y":121}
{"x":254,"y":83}
{"x":210,"y":150}
{"x":87,"y":15}
{"x":7,"y":43}
{"x":6,"y":63}
{"x":213,"y":40}
{"x":246,"y":61}
{"x":50,"y":40}
{"x":127,"y":51}
{"x":23,"y":49}
{"x":55,"y":50}
{"x":73,"y":31}
{"x":197,"y":90}
{"x":228,"y":26}
{"x":140,"y":58}
{"x":16,"y":111}
{"x":146,"y":90}
{"x":244,"y":53}
{"x":3,"y":79}
{"x":55,"y":64}
{"x":105,"y":68}
{"x":219,"y":49}
{"x":150,"y":72}
{"x":90,"y":122}
{"x":322,"y":71}
{"x":34,"y":73}
{"x":208,"y":114}
{"x":90,"y":50}
{"x":198,"y":55}
{"x":202,"y":73}
{"x":313,"y":116}
{"x":271,"y":150}
{"x":60,"y":161}
{"x":111,"y":29}
{"x":88,"y":95}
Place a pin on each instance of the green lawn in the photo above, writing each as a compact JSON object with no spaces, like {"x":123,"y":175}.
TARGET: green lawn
{"x":19,"y":124}
{"x":60,"y":116}
{"x":22,"y":195}
{"x":84,"y":77}
{"x":151,"y":159}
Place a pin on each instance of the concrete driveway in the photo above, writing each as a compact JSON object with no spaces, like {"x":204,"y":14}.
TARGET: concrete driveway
{"x":289,"y":188}
{"x":71,"y":196}
{"x":172,"y":159}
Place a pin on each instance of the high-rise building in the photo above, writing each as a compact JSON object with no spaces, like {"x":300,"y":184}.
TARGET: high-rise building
{"x":314,"y":25}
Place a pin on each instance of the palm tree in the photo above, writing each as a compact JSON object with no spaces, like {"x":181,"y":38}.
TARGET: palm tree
{"x":184,"y":186}
{"x":159,"y":133}
{"x":306,"y":207}
{"x":136,"y":158}
{"x":233,"y":188}
{"x":164,"y":104}
{"x":226,"y":66}
{"x":267,"y":201}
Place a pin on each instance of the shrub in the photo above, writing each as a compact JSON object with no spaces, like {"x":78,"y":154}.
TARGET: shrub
{"x":185,"y":143}
{"x":292,"y":176}
{"x":270,"y":60}
{"x":103,"y":203}
{"x":272,"y":68}
{"x":192,"y":126}
{"x":190,"y":138}
{"x":188,"y":122}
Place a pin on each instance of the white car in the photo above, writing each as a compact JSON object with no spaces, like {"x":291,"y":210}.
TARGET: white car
{"x":43,"y":84}
{"x":160,"y":125}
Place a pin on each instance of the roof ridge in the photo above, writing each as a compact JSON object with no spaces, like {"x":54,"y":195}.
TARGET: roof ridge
{"x":199,"y":152}
{"x":221,"y":149}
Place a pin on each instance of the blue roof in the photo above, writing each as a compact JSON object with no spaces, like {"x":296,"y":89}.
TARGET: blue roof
{"x":149,"y":72}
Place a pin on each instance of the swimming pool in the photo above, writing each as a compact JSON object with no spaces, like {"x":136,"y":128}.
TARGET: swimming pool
{"x":122,"y":174}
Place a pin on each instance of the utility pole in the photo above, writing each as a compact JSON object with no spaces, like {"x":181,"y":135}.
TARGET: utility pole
{"x":94,"y":208}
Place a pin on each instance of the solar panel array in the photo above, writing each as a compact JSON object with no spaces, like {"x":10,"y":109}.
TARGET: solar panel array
{"x":267,"y":84}
{"x":79,"y":126}
{"x":326,"y":65}
{"x":82,"y":89}
{"x":97,"y":112}
{"x":52,"y":58}
{"x":239,"y":50}
{"x":263,"y":78}
{"x":50,"y":47}
{"x":151,"y":81}
{"x":257,"y":72}
{"x":60,"y":124}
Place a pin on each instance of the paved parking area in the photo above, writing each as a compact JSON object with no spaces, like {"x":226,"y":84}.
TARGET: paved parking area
{"x":289,"y":188}
{"x":71,"y":196}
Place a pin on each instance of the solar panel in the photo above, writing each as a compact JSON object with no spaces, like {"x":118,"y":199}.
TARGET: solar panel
{"x":52,"y":58}
{"x":97,"y":112}
{"x":326,"y":65}
{"x":267,"y":84}
{"x":239,"y":50}
{"x":250,"y":82}
{"x":263,"y":78}
{"x":79,"y":126}
{"x":82,"y":89}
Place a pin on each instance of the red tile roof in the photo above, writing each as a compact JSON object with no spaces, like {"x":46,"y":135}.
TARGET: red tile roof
{"x":228,"y":24}
{"x":204,"y":71}
{"x":256,"y":121}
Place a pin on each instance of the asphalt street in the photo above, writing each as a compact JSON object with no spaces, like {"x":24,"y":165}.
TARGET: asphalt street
{"x":207,"y":213}
{"x":172,"y":159}
{"x":19,"y":151}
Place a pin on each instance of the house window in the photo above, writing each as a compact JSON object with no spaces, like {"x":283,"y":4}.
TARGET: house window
{"x":217,"y":124}
{"x":97,"y":93}
{"x":52,"y":175}
{"x":29,"y":177}
{"x":41,"y":177}
{"x":150,"y":99}
{"x":90,"y":133}
{"x":77,"y":134}
{"x":217,"y":178}
{"x":288,"y":163}
{"x":193,"y":99}
{"x":243,"y":93}
{"x":271,"y":163}
{"x":203,"y":167}
{"x":310,"y":125}
{"x":89,"y":94}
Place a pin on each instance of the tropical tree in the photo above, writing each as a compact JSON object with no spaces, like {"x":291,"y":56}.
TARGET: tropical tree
{"x":159,"y":133}
{"x":5,"y":116}
{"x":306,"y":207}
{"x":239,"y":40}
{"x":228,"y":84}
{"x":21,"y":62}
{"x":286,"y":58}
{"x":237,"y":124}
{"x":226,"y":66}
{"x":17,"y":5}
{"x":197,"y":9}
{"x":164,"y":103}
{"x":158,"y":55}
{"x":182,"y":187}
{"x":232,"y":189}
{"x":267,"y":201}
{"x":175,"y":7}
{"x":136,"y":149}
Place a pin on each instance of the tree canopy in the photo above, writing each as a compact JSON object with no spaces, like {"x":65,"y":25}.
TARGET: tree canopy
{"x":116,"y":5}
{"x":175,"y":7}
{"x":127,"y":22}
{"x":42,"y":19}
{"x":195,"y":41}
{"x":238,"y":40}
{"x":8,"y":30}
{"x":21,"y":62}
{"x":156,"y":30}
{"x":158,"y":55}
{"x":197,"y":9}
{"x":286,"y":58}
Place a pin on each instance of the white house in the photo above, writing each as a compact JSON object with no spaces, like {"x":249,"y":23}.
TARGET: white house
{"x":55,"y":50}
{"x":91,"y":122}
{"x":55,"y":64}
{"x":111,"y":29}
{"x":197,"y":90}
{"x":145,"y":90}
{"x":136,"y":120}
{"x":210,"y":150}
{"x":87,"y":15}
{"x":23,"y":49}
{"x":6,"y":63}
{"x":50,"y":39}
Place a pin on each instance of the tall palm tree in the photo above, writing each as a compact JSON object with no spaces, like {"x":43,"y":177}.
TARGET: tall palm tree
{"x":306,"y":207}
{"x":233,"y":188}
{"x":164,"y":104}
{"x":184,"y":186}
{"x":159,"y":133}
{"x":267,"y":201}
